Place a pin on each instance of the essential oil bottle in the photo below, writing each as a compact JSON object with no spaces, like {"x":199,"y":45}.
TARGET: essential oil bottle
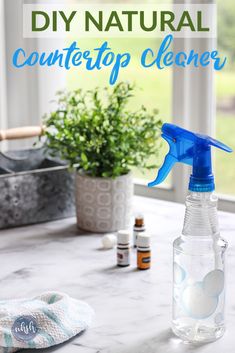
{"x":143,"y":252}
{"x":123,"y":248}
{"x":139,"y":227}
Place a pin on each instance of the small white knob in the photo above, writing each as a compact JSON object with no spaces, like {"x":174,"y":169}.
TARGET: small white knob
{"x":109,"y":241}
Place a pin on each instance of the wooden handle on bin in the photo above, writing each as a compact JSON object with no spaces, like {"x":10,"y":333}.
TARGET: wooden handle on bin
{"x":21,"y":132}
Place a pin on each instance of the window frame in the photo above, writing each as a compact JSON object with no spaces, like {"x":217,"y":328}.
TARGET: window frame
{"x":33,"y":89}
{"x":3,"y":81}
{"x":193,"y":98}
{"x":193,"y":107}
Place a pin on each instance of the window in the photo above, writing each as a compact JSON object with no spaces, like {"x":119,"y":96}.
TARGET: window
{"x":183,"y":96}
{"x":225,"y":93}
{"x":153,"y":88}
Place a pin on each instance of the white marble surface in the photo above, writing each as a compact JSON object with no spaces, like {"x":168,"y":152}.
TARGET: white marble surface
{"x":133,"y":308}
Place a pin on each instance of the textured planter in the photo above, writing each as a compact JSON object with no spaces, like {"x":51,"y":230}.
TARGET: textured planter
{"x":103,"y":204}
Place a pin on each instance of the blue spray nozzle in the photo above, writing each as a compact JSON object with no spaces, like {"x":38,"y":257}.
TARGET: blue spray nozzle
{"x":192,"y":149}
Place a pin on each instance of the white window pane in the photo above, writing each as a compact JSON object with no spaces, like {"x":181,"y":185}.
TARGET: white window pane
{"x":225,"y":90}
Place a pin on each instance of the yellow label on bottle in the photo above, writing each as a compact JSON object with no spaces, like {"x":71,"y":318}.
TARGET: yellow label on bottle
{"x":143,"y":260}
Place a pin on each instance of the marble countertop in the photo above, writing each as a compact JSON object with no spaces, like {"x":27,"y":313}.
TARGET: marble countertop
{"x":133,"y":308}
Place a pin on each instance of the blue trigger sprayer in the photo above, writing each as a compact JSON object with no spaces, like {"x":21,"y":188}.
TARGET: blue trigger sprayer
{"x":199,"y":253}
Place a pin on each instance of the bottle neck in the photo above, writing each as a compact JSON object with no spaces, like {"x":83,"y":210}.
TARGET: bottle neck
{"x":123,"y":246}
{"x":143,"y":248}
{"x":201,"y":215}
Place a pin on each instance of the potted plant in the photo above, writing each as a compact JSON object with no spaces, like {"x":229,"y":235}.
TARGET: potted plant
{"x":103,"y":140}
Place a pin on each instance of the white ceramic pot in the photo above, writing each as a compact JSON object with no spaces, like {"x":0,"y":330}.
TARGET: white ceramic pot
{"x":103,"y":204}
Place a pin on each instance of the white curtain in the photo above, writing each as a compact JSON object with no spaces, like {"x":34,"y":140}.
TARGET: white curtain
{"x":27,"y":91}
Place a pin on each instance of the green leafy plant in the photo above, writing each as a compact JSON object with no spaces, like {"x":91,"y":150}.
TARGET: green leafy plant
{"x":97,"y":133}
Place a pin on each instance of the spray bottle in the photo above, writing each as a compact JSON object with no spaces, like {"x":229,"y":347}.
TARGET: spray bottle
{"x":199,"y":253}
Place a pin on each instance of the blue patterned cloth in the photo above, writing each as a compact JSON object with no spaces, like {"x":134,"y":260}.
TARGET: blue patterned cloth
{"x":42,"y":321}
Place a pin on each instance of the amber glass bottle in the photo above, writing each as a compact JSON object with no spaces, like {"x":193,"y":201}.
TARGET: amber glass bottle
{"x":143,"y":252}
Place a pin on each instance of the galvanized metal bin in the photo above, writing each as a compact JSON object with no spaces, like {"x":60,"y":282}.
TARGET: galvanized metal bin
{"x":34,"y":189}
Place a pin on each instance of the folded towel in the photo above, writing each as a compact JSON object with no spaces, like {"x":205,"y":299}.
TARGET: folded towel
{"x":42,"y":321}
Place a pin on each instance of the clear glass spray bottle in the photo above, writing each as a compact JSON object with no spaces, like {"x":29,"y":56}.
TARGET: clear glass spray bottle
{"x":198,"y":272}
{"x":199,"y":253}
